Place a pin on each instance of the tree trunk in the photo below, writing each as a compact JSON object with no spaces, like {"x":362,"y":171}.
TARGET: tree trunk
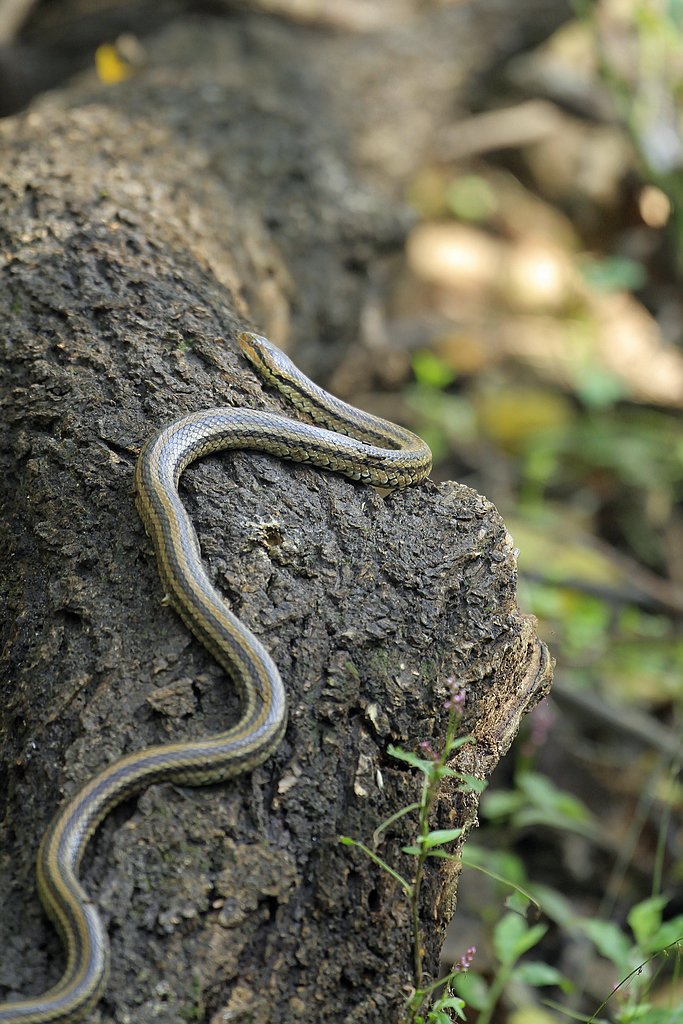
{"x":141,"y":226}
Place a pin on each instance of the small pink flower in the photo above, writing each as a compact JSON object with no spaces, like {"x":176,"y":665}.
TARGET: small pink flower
{"x":456,"y":698}
{"x":465,"y":961}
{"x":428,"y":750}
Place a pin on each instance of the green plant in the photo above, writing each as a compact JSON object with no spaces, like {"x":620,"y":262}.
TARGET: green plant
{"x":535,"y":800}
{"x":512,"y":938}
{"x":428,"y":843}
{"x":638,"y":958}
{"x":639,"y":951}
{"x":638,"y":955}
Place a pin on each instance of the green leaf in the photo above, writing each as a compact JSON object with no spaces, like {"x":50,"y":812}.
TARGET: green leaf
{"x":668,"y":934}
{"x":512,"y":938}
{"x":545,"y":795}
{"x":645,"y":918}
{"x":531,"y":817}
{"x":472,"y":988}
{"x":500,"y":864}
{"x":505,"y":936}
{"x":538,"y":974}
{"x":502,"y":803}
{"x":648,"y":1014}
{"x":471,"y":783}
{"x":423,"y":765}
{"x":555,"y":905}
{"x":609,"y":940}
{"x":460,"y":741}
{"x":519,"y":902}
{"x":452,"y":1003}
{"x":440,"y":836}
{"x":437,"y":1014}
{"x":439,"y":1017}
{"x":432,"y":372}
{"x":542,"y":803}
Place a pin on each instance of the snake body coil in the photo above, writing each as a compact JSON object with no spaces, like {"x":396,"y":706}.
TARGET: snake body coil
{"x":378,"y":452}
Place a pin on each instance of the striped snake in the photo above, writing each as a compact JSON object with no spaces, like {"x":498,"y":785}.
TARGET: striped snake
{"x":345,"y":440}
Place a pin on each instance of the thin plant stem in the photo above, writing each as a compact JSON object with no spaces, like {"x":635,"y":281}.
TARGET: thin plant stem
{"x":430,"y":790}
{"x":434,"y":768}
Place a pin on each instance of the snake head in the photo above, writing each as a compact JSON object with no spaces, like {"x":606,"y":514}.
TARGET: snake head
{"x":266,"y":357}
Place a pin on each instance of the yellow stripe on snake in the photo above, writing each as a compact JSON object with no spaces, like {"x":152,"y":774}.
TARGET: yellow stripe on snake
{"x":346,"y":441}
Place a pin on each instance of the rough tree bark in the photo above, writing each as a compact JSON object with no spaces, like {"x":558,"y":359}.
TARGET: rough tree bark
{"x":140,"y":227}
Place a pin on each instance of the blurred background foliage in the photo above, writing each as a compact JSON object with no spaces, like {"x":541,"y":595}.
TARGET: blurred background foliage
{"x":541,"y":300}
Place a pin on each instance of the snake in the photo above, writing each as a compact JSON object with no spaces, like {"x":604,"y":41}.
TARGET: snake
{"x":334,"y":436}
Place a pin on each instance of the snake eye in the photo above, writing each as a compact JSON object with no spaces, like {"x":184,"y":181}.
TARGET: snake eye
{"x":255,"y":347}
{"x":268,"y":359}
{"x":250,"y":348}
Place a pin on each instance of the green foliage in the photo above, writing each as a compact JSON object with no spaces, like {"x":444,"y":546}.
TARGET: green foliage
{"x":635,"y":653}
{"x":535,"y":800}
{"x":428,"y":843}
{"x":512,"y":938}
{"x":636,"y":957}
{"x":631,"y":452}
{"x":636,"y":953}
{"x":446,"y":420}
{"x":589,"y":459}
{"x":430,"y":371}
{"x":645,"y":919}
{"x":640,"y":448}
